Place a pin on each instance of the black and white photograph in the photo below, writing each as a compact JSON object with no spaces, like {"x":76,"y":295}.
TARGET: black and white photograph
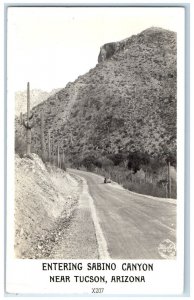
{"x":95,"y":98}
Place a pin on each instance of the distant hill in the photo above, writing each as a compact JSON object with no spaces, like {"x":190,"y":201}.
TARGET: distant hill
{"x":126,"y":103}
{"x":37,"y":96}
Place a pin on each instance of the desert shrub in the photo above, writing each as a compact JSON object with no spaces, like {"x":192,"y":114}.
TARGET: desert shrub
{"x":88,"y":118}
{"x":132,"y":181}
{"x":118,"y":158}
{"x":171,"y":158}
{"x":155,"y":165}
{"x":136,"y":160}
{"x":63,"y":166}
{"x":89,"y":162}
{"x":20,"y":146}
{"x":104,"y":163}
{"x":145,"y":188}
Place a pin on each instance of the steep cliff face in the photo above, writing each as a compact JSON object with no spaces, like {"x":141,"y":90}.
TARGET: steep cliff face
{"x":109,"y":49}
{"x":126,"y":103}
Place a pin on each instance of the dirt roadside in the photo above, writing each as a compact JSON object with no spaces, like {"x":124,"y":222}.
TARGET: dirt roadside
{"x":79,"y":238}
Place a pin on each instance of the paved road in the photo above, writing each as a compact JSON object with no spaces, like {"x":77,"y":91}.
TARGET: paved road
{"x":133,"y":225}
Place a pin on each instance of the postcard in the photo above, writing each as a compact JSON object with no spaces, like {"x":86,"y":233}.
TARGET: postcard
{"x":95,"y":135}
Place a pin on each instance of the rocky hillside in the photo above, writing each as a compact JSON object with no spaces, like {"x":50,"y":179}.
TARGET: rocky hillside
{"x":37,"y":96}
{"x":45,"y":198}
{"x":126,"y":103}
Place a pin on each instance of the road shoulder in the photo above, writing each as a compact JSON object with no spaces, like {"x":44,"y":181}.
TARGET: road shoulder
{"x":79,"y":238}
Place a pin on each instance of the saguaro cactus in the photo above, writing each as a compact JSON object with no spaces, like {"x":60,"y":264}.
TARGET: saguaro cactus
{"x":49,"y":146}
{"x":21,"y":118}
{"x":169,"y":181}
{"x":28,"y":124}
{"x":63,"y":161}
{"x":42,"y":137}
{"x":58,"y":156}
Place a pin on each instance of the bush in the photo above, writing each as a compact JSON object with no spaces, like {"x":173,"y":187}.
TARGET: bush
{"x":118,"y":158}
{"x":105,"y":163}
{"x":147,"y":185}
{"x":20,"y":146}
{"x":63,"y":166}
{"x":89,"y":162}
{"x":134,"y":171}
{"x":145,"y":188}
{"x":136,"y":160}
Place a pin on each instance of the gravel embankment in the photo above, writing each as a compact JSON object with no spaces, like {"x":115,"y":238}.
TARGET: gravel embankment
{"x":45,"y":199}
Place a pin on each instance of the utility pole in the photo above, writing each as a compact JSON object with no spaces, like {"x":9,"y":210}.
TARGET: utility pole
{"x":58,"y":158}
{"x":63,"y":160}
{"x":42,"y":137}
{"x":169,"y":181}
{"x":49,"y":146}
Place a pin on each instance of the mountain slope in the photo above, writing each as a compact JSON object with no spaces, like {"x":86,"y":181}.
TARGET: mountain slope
{"x":37,"y":96}
{"x":126,"y":103}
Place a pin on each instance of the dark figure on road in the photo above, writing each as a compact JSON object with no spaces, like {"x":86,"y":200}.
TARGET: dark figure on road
{"x":107,"y":180}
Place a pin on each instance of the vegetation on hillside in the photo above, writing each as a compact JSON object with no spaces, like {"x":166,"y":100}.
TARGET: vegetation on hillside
{"x":120,"y":117}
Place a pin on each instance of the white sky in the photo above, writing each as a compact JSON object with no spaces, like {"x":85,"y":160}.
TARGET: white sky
{"x":51,"y":46}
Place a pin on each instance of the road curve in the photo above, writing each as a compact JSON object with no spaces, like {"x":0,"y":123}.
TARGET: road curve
{"x":134,"y":226}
